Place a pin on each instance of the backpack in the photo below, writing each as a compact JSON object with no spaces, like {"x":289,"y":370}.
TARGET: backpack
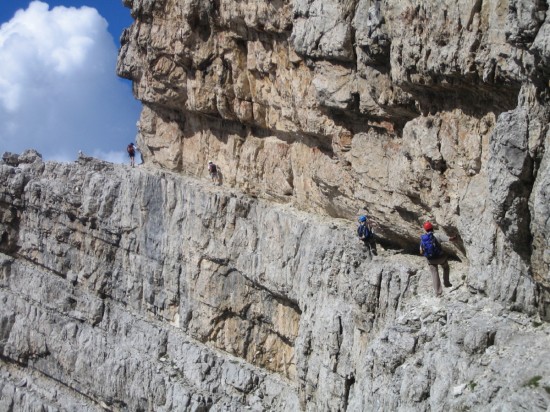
{"x":130,"y":149}
{"x":430,"y":245}
{"x":364,"y":231}
{"x":212,"y":167}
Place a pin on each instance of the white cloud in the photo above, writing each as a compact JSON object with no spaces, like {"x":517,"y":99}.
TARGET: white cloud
{"x":58,"y":88}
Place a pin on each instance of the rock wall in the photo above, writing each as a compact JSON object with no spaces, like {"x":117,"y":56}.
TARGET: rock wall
{"x":152,"y":289}
{"x":410,"y":110}
{"x":135,"y":289}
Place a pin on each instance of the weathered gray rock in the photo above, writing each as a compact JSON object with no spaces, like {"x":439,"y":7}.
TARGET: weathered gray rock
{"x":136,"y":289}
{"x":409,"y":111}
{"x":322,"y":29}
{"x":147,"y":289}
{"x":539,"y":210}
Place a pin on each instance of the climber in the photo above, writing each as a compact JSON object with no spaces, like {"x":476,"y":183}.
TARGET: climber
{"x":131,"y":149}
{"x":366,"y":234}
{"x":213,"y":170}
{"x":430,"y":247}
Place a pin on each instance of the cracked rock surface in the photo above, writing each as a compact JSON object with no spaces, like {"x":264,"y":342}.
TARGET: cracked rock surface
{"x":150,"y":289}
{"x":408,"y":110}
{"x":138,"y":289}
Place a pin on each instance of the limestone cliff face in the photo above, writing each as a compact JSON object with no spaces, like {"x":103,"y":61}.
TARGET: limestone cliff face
{"x":152,"y":289}
{"x":411,"y":110}
{"x":135,"y":289}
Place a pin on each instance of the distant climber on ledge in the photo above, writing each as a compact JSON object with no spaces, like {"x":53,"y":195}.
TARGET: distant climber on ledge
{"x":213,"y":170}
{"x":131,"y":149}
{"x":366,"y":234}
{"x":430,"y":247}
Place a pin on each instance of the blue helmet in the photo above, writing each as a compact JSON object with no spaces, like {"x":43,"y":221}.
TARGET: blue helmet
{"x":362,"y":218}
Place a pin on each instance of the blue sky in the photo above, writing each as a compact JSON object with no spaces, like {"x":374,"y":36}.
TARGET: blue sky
{"x":117,"y":16}
{"x":59,"y":92}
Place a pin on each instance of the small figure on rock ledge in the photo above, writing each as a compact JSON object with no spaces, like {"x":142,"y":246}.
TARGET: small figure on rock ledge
{"x":131,"y":149}
{"x":366,"y":234}
{"x":214,"y":172}
{"x":430,"y":247}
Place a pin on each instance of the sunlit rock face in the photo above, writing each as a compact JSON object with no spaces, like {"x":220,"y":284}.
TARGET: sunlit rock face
{"x":139,"y":289}
{"x":409,"y":110}
{"x":152,"y":289}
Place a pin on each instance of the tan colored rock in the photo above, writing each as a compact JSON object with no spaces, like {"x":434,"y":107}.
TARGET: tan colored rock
{"x":136,"y":288}
{"x":155,"y":290}
{"x":388,"y":107}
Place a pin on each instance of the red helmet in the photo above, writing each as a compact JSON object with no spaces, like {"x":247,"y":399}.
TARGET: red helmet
{"x":428,"y":226}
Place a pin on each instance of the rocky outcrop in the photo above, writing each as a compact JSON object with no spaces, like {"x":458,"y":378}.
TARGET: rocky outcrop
{"x":137,"y":289}
{"x":150,"y":289}
{"x":409,"y":110}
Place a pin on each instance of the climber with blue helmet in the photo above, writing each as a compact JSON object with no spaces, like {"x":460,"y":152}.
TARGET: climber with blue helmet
{"x":366,"y":234}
